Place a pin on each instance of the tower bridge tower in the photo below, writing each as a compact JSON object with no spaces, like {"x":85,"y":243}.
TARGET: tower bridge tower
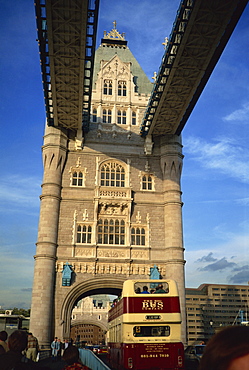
{"x":111,"y":208}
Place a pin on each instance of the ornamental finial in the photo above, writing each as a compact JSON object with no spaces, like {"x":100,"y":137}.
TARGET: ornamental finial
{"x":114,"y":34}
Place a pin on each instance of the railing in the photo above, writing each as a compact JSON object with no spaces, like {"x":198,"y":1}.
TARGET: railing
{"x":89,"y":359}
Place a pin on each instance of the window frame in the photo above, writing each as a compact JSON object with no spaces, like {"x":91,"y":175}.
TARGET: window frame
{"x":111,"y":231}
{"x":107,"y":87}
{"x":112,"y":174}
{"x":121,"y":117}
{"x":147,"y":182}
{"x":78,"y":180}
{"x":138,"y":235}
{"x":122,"y":88}
{"x":84,"y":233}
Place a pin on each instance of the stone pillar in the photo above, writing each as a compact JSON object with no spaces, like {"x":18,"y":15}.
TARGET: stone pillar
{"x":54,"y":156}
{"x":171,"y":165}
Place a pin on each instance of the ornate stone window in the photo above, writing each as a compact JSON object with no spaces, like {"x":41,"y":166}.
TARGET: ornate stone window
{"x":111,"y":231}
{"x":78,"y":175}
{"x":147,"y":182}
{"x":121,"y":88}
{"x":77,"y":178}
{"x":121,"y":117}
{"x":112,"y":174}
{"x":84,"y":234}
{"x":137,"y":236}
{"x":134,"y":118}
{"x":107,"y":116}
{"x":107,"y":87}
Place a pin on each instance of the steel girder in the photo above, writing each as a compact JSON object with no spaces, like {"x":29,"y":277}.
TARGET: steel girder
{"x":201,"y":30}
{"x":67,"y":35}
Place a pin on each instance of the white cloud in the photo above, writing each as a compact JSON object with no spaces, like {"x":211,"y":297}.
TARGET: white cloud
{"x":228,"y":263}
{"x":20,"y":190}
{"x":241,"y":115}
{"x":224,"y":155}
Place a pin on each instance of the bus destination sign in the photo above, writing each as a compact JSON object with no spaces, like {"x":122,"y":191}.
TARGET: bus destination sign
{"x":153,"y":317}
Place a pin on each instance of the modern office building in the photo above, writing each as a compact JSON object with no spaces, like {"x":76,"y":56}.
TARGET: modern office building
{"x":213,"y":306}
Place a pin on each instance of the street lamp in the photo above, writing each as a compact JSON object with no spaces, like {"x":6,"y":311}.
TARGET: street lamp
{"x":211,"y":325}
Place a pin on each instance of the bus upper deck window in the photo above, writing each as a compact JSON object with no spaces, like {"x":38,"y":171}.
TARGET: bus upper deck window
{"x":151,"y":288}
{"x":162,"y":288}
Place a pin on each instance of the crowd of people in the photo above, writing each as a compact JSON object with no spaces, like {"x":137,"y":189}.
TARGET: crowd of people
{"x":58,"y":348}
{"x":227,"y":350}
{"x":20,"y":351}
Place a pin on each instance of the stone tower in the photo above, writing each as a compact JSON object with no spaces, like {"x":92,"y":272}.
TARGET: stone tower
{"x":110,"y":205}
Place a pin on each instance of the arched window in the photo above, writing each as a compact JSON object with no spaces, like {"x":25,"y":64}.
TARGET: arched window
{"x":121,"y":88}
{"x":109,"y":116}
{"x":112,"y":174}
{"x":77,"y":178}
{"x":104,"y":115}
{"x":94,"y":115}
{"x":121,"y":117}
{"x":84,"y":234}
{"x":107,"y":87}
{"x":147,"y":182}
{"x":111,"y":231}
{"x":138,"y":236}
{"x":134,"y":118}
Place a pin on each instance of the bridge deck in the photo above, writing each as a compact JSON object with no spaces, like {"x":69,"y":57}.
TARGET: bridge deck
{"x":201,"y":30}
{"x":67,"y":35}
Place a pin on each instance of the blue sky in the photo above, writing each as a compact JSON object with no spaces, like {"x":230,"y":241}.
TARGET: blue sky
{"x":215,"y":179}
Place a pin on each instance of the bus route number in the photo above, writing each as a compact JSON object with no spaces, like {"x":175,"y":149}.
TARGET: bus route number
{"x":153,"y":317}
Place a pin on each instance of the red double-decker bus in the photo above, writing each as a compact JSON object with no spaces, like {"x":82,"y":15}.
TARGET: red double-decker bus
{"x":145,"y":327}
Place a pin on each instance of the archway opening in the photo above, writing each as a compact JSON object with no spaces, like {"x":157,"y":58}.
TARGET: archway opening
{"x":85,"y":290}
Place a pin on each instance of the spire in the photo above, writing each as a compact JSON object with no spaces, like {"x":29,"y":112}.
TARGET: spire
{"x":114,"y":37}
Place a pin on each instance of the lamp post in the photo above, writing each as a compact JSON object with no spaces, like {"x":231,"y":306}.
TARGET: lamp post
{"x":211,"y":326}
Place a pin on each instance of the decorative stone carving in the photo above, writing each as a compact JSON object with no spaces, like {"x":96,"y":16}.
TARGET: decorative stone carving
{"x":111,"y":253}
{"x":85,"y":215}
{"x":148,"y":145}
{"x":84,"y":252}
{"x":138,"y":217}
{"x":140,"y":255}
{"x":110,"y":208}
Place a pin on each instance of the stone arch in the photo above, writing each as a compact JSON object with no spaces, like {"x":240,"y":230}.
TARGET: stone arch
{"x":91,"y":322}
{"x":83,"y":289}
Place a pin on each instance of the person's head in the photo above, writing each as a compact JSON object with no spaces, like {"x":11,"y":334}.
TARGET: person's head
{"x":71,"y":355}
{"x":145,"y":288}
{"x":226,"y":348}
{"x":3,"y":335}
{"x":18,"y":341}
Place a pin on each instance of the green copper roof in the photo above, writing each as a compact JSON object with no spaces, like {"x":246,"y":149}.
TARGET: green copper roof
{"x":109,"y":48}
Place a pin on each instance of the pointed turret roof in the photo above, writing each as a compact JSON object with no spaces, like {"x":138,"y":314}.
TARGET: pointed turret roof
{"x":114,"y":43}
